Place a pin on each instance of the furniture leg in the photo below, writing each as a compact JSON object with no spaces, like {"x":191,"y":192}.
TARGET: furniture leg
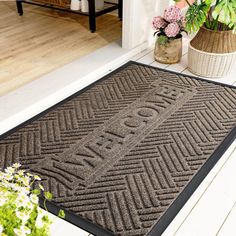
{"x":92,"y":16}
{"x":19,"y":7}
{"x":120,"y":9}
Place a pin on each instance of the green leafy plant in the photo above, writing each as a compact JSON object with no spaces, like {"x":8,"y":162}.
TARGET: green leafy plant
{"x":218,"y":15}
{"x":20,"y":214}
{"x":162,"y":39}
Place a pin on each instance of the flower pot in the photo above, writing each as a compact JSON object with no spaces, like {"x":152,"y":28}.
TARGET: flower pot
{"x":212,"y":53}
{"x":169,"y":52}
{"x":212,"y":65}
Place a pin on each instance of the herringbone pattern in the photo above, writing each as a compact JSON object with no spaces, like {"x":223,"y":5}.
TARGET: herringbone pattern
{"x":120,"y":153}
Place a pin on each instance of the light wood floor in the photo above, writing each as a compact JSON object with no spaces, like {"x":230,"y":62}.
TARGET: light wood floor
{"x":43,"y":40}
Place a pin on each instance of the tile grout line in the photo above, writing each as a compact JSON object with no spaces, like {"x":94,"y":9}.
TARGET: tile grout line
{"x":226,"y":218}
{"x":148,"y":51}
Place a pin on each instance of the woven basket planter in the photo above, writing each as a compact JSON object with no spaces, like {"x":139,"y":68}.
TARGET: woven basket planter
{"x":212,"y":54}
{"x":210,"y":64}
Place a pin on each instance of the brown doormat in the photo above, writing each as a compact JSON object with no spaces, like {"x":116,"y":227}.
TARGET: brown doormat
{"x":125,"y":154}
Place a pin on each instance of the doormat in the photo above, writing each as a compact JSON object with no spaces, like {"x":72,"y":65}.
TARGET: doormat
{"x":123,"y":156}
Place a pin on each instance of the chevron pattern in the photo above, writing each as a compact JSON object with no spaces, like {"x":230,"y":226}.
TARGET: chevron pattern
{"x":120,"y":153}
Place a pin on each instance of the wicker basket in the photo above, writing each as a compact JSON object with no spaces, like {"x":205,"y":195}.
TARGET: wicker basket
{"x":58,"y":3}
{"x":207,"y":64}
{"x":212,"y":53}
{"x":214,"y":41}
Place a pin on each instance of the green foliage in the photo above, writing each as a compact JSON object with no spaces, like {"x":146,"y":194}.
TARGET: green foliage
{"x":61,"y":214}
{"x":20,"y":213}
{"x":8,"y":218}
{"x":216,"y":15}
{"x":162,"y":39}
{"x":48,"y":195}
{"x":225,"y":13}
{"x":196,"y":16}
{"x":36,"y":191}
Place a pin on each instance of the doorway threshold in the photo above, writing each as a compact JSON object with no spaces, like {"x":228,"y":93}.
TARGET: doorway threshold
{"x":31,"y":99}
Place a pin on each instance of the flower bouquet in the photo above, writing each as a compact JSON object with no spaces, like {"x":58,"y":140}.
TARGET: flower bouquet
{"x":20,"y":213}
{"x":169,"y":30}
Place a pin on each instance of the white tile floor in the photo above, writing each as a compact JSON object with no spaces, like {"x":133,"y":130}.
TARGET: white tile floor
{"x":212,"y":208}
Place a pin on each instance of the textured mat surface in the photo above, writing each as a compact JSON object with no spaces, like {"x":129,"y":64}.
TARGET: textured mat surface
{"x":119,"y":153}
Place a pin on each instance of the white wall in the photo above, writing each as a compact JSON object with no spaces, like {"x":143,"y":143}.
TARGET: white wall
{"x":137,"y":20}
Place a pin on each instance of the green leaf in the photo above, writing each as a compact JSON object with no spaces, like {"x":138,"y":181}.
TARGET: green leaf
{"x":41,"y":187}
{"x":45,"y":219}
{"x":196,"y":15}
{"x":225,"y":10}
{"x":209,"y":2}
{"x":36,"y":191}
{"x":61,"y":214}
{"x":162,"y":39}
{"x":48,"y":195}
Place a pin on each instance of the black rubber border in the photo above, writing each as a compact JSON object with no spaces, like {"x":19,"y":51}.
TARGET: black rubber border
{"x":190,"y":188}
{"x":76,"y":220}
{"x":182,"y":198}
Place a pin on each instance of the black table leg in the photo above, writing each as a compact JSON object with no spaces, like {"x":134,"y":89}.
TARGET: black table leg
{"x":92,"y":16}
{"x":120,"y":9}
{"x":19,"y":7}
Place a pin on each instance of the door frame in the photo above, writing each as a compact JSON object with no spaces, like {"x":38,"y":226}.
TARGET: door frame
{"x":137,"y":18}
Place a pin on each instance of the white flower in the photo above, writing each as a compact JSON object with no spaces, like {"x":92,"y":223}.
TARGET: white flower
{"x":19,"y":232}
{"x":36,"y":177}
{"x":16,"y":165}
{"x":21,"y":172}
{"x":25,"y":180}
{"x":25,"y":229}
{"x":30,"y":206}
{"x":41,"y":187}
{"x":29,"y":174}
{"x":1,"y":229}
{"x":8,"y":176}
{"x":25,"y":190}
{"x":39,"y":222}
{"x":1,"y":175}
{"x":22,"y":199}
{"x":3,"y":192}
{"x":10,"y":170}
{"x":3,"y":200}
{"x":24,"y":216}
{"x":34,"y":198}
{"x":40,"y":211}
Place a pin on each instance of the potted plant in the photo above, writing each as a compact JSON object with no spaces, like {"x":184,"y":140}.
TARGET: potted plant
{"x":20,"y":213}
{"x":169,"y":28}
{"x":212,"y":52}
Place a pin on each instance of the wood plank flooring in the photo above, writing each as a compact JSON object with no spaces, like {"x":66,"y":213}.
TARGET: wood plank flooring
{"x":43,"y":40}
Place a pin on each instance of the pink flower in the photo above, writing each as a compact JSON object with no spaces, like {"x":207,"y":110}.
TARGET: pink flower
{"x":172,"y":29}
{"x":172,"y":14}
{"x":183,"y":22}
{"x":158,"y":22}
